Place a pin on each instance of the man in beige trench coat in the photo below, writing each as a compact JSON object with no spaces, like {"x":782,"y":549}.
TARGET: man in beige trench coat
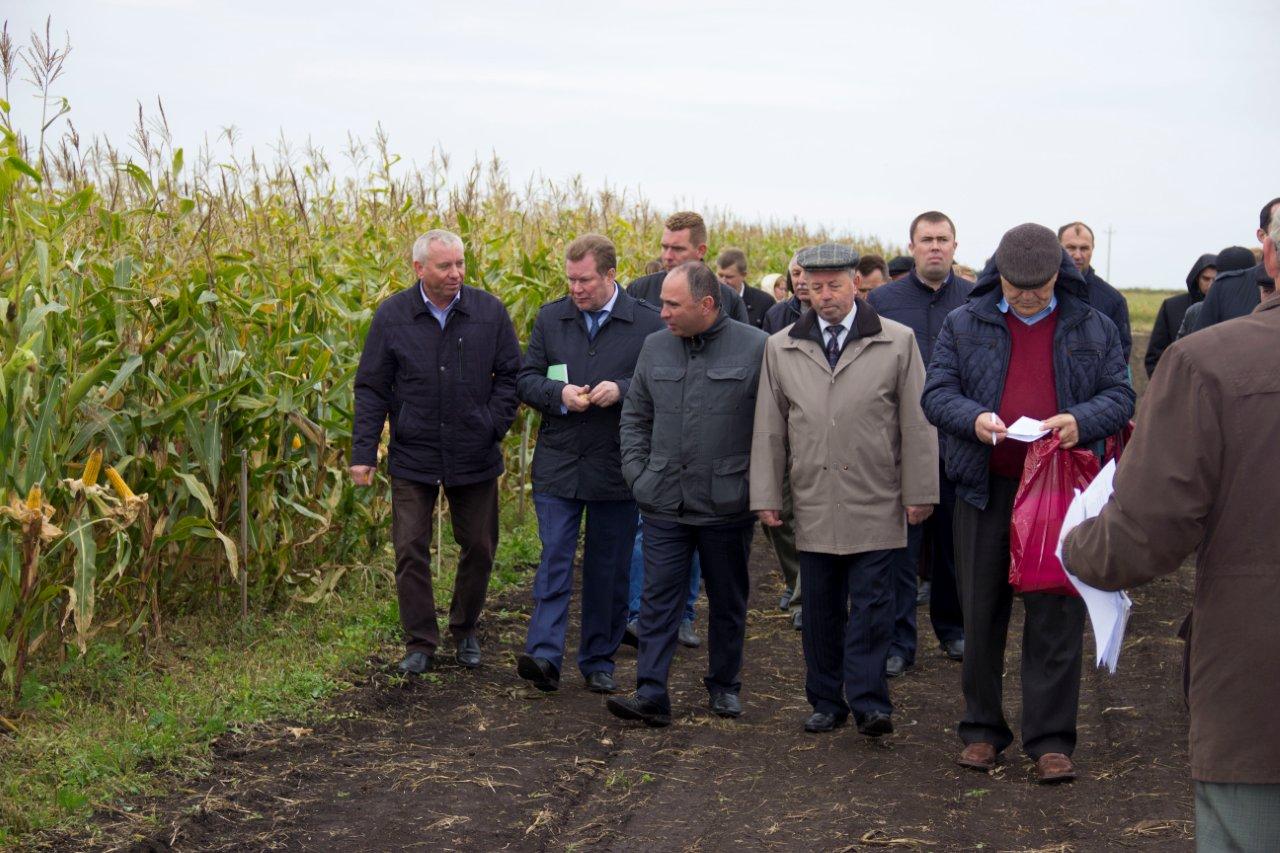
{"x":841,"y":388}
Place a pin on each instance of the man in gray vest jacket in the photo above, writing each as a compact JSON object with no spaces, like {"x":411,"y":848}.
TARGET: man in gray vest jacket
{"x":686,"y":448}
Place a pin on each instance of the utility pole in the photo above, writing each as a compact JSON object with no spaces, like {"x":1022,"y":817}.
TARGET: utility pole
{"x":1110,"y":232}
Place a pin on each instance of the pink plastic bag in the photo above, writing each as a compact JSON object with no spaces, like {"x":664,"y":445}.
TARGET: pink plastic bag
{"x":1049,"y":480}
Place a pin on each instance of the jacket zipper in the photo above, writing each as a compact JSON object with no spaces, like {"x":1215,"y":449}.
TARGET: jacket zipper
{"x":460,"y":358}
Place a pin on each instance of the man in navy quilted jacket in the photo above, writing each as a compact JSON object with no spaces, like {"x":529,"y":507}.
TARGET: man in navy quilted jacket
{"x":1025,"y":344}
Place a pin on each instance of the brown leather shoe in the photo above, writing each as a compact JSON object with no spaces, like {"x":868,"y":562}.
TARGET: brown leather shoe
{"x":978,"y":756}
{"x":1053,"y":767}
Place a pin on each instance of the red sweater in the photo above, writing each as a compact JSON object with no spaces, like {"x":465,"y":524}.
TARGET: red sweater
{"x":1028,"y":387}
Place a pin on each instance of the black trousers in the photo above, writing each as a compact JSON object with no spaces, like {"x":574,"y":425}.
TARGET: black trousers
{"x":944,"y":598}
{"x":668,"y":552}
{"x":848,"y":619}
{"x":1052,"y":637}
{"x":473,"y":510}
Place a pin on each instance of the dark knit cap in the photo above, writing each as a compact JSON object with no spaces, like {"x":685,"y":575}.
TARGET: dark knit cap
{"x":1235,"y":258}
{"x":1028,"y":255}
{"x":901,"y":264}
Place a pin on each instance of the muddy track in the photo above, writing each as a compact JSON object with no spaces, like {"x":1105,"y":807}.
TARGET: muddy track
{"x":479,"y":761}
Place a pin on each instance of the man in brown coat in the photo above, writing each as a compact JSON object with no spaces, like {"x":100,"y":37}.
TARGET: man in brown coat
{"x":1201,"y":474}
{"x":841,"y":391}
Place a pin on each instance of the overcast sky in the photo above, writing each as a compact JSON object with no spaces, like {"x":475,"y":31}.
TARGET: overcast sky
{"x":1159,"y":119}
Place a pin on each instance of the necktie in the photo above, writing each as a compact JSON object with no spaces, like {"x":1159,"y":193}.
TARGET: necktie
{"x":833,"y":345}
{"x":594,"y":320}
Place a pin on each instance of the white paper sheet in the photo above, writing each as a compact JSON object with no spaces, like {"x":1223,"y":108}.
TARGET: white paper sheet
{"x":1026,"y":429}
{"x":1108,"y":611}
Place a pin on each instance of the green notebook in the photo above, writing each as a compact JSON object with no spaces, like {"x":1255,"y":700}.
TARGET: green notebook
{"x":558,"y":372}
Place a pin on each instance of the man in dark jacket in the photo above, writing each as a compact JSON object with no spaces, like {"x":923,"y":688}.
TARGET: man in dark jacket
{"x":440,"y":360}
{"x":686,"y":448}
{"x":684,"y":238}
{"x":1077,"y":239}
{"x":1173,"y":309}
{"x":921,"y":300}
{"x":731,"y":269}
{"x":1229,"y":261}
{"x":1026,"y":344}
{"x":576,"y":372}
{"x":786,"y":312}
{"x":1238,"y":294}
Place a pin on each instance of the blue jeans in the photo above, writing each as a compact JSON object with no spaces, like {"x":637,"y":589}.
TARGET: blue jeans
{"x":637,"y":580}
{"x":605,"y":556}
{"x":668,"y":551}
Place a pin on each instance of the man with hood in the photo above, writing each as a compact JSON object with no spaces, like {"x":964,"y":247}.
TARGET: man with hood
{"x":1237,"y":295}
{"x":1232,"y":260}
{"x":1077,"y":239}
{"x":1173,"y":309}
{"x":1025,"y":344}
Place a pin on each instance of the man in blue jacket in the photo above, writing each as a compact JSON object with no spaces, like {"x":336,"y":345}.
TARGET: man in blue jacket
{"x":1236,"y":294}
{"x":576,"y":372}
{"x":921,"y":300}
{"x":1025,"y":344}
{"x":1077,"y":239}
{"x":440,"y":361}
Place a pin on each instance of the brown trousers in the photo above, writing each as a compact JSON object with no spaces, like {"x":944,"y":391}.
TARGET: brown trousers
{"x":474,"y":511}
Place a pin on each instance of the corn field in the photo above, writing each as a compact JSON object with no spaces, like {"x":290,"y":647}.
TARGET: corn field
{"x":169,"y":320}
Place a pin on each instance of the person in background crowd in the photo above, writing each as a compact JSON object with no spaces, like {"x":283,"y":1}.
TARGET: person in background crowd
{"x":686,"y":444}
{"x":1237,"y":294}
{"x":838,"y":375}
{"x":873,"y":271}
{"x":964,"y":271}
{"x":900,"y":266}
{"x":1173,"y":309}
{"x":684,"y":238}
{"x":440,"y":361}
{"x":783,"y":536}
{"x":1230,"y":260}
{"x":1077,"y":239}
{"x":653,"y":266}
{"x":594,"y":335}
{"x":775,"y":283}
{"x":731,"y":268}
{"x":921,"y":301}
{"x":1191,"y":482}
{"x":1025,"y":344}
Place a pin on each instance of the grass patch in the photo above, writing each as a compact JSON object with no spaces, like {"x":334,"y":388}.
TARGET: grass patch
{"x":103,"y":729}
{"x":1144,"y":305}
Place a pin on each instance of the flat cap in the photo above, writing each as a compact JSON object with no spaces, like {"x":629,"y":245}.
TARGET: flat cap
{"x":827,"y":256}
{"x":1028,"y":255}
{"x":901,"y":264}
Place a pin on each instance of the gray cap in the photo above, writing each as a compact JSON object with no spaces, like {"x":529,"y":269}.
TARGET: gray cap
{"x":827,"y":256}
{"x":1028,"y":255}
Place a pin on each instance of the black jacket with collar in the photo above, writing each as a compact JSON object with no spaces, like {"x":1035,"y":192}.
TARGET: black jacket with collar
{"x":782,"y":314}
{"x":450,"y":393}
{"x":577,"y":453}
{"x":758,"y":304}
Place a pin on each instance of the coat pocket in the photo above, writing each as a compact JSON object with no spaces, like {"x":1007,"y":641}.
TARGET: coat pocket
{"x":657,"y":489}
{"x":667,"y":388}
{"x":727,"y":390}
{"x":410,"y":426}
{"x":729,"y":484}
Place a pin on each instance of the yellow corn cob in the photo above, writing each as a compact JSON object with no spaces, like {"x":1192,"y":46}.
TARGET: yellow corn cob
{"x":118,"y":483}
{"x":91,"y":468}
{"x":297,"y":442}
{"x":33,"y":497}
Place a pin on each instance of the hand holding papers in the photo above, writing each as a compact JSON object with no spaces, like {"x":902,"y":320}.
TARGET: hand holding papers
{"x":1108,"y":611}
{"x":1026,"y":429}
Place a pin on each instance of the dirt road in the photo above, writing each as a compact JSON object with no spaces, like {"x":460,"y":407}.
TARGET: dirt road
{"x":479,"y":761}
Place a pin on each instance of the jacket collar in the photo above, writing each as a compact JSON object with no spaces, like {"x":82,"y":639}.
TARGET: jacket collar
{"x":624,"y":308}
{"x":1272,"y":304}
{"x":867,"y":329}
{"x":420,"y":305}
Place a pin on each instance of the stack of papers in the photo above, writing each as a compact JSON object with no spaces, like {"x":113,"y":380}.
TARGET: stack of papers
{"x":1026,"y":429}
{"x":1108,"y":611}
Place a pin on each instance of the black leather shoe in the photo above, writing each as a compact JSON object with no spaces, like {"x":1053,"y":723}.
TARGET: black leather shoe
{"x":629,"y":636}
{"x":954,"y":649}
{"x":726,"y":705}
{"x":541,"y":672}
{"x":895,"y":666}
{"x":687,"y":637}
{"x":468,"y":652}
{"x":821,"y":722}
{"x":415,"y":663}
{"x":601,"y":682}
{"x":796,"y":621}
{"x":923,"y":593}
{"x":784,"y":603}
{"x":636,"y":708}
{"x":876,"y":724}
